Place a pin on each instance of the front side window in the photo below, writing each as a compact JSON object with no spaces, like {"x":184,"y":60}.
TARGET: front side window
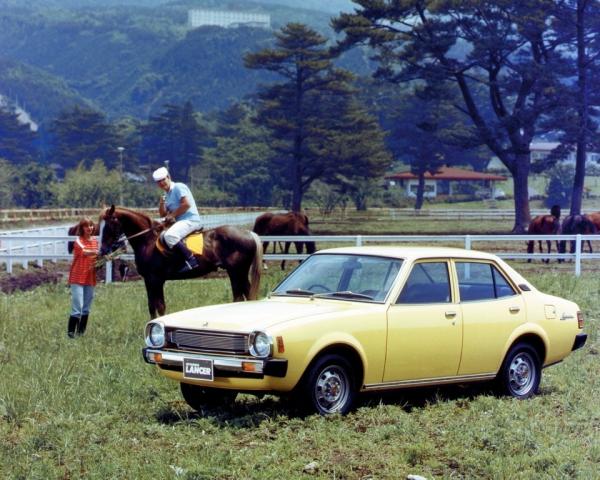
{"x":428,"y":282}
{"x":481,"y":281}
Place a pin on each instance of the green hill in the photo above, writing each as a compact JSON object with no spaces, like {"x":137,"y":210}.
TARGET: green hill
{"x":43,"y":95}
{"x":131,"y":60}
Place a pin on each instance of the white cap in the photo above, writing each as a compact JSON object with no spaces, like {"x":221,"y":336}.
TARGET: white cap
{"x":160,"y":174}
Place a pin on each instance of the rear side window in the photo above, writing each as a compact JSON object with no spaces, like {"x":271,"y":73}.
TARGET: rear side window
{"x":428,"y":282}
{"x":481,"y":281}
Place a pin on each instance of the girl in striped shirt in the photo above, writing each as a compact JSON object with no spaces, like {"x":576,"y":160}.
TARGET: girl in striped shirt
{"x":82,"y":277}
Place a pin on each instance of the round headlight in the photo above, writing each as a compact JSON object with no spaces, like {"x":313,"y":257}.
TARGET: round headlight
{"x":260,"y":344}
{"x":155,"y":336}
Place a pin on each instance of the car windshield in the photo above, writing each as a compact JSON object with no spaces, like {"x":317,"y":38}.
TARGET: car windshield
{"x":342,"y":277}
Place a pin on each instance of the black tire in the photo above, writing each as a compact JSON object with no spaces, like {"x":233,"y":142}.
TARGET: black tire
{"x":521,"y":372}
{"x":329,"y":385}
{"x":200,"y":397}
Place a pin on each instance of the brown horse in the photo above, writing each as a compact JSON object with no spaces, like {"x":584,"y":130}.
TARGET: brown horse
{"x":543,"y":225}
{"x":291,"y":223}
{"x":595,"y":218}
{"x":577,"y":224}
{"x":237,"y":251}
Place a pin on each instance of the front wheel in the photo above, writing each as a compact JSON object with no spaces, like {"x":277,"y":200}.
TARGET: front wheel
{"x":329,"y":385}
{"x":521,"y":372}
{"x":199,"y":397}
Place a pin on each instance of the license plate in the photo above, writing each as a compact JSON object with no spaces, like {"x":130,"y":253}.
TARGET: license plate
{"x":198,"y":369}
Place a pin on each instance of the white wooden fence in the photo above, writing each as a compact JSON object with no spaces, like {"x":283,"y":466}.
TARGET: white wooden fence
{"x":25,"y":248}
{"x":50,"y":243}
{"x":464,"y":241}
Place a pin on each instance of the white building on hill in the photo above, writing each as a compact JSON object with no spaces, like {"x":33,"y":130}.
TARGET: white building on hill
{"x":228,"y":19}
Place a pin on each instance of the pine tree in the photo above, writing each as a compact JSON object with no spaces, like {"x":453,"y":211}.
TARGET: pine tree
{"x":17,"y":140}
{"x":84,"y":135}
{"x":6,"y":186}
{"x":308,"y":113}
{"x":236,"y":170}
{"x":579,"y":23}
{"x":506,"y":47}
{"x":177,"y":136}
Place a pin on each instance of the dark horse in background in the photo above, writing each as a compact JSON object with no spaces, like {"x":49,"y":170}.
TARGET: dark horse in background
{"x":237,"y":251}
{"x":577,"y":224}
{"x":284,"y":224}
{"x":544,"y":225}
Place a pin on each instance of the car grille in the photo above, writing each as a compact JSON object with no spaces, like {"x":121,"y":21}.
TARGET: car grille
{"x":236,"y":343}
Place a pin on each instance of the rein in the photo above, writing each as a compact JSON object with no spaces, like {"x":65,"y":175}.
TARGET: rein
{"x":140,"y":233}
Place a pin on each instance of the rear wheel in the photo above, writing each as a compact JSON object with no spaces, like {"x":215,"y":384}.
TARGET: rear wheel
{"x":521,"y":372}
{"x":329,"y":385}
{"x":199,"y":397}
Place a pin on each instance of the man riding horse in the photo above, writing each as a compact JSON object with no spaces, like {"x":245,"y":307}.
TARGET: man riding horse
{"x":177,"y":205}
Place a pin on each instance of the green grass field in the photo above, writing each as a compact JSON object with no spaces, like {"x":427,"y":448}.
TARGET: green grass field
{"x":91,"y":408}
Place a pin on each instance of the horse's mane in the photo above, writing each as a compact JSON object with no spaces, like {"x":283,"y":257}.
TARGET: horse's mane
{"x":138,"y":218}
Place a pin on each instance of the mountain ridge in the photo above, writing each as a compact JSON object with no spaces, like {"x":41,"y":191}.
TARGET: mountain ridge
{"x":130,"y":61}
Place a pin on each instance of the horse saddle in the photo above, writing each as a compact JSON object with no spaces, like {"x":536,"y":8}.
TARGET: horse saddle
{"x":194,"y":242}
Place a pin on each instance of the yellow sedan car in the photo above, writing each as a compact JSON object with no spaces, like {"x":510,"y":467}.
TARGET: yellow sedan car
{"x":359,"y":319}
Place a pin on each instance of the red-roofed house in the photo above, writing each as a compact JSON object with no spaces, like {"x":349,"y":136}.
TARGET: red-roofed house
{"x":441,"y":182}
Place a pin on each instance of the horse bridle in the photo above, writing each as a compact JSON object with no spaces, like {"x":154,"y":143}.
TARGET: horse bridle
{"x":122,"y":238}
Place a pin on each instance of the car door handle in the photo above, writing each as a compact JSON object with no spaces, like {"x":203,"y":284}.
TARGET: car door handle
{"x":450,"y":314}
{"x":514,"y":309}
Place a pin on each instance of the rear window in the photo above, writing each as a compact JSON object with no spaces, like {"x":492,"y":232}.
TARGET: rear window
{"x":481,"y":281}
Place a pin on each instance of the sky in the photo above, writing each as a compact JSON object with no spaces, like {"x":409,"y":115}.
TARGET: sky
{"x":329,"y":6}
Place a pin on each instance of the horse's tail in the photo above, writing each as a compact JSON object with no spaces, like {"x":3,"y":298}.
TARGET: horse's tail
{"x":255,"y":268}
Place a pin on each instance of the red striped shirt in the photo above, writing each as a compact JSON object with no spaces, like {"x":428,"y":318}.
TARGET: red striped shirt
{"x":83,"y":271}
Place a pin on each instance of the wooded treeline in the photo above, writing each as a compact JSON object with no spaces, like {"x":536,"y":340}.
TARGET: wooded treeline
{"x":455,"y":83}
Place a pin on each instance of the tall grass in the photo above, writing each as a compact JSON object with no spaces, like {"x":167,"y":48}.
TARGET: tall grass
{"x":91,"y":408}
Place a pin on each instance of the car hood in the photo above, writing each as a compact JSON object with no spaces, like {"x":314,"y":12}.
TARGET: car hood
{"x":255,"y":315}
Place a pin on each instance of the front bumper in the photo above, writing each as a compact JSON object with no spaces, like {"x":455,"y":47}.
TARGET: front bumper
{"x":223,"y":366}
{"x":579,"y":342}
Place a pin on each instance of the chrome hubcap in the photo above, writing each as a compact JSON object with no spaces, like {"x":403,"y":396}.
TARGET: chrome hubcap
{"x":521,"y":374}
{"x":331,"y":389}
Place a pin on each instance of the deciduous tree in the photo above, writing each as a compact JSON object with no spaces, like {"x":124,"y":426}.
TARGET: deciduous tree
{"x":88,"y":188}
{"x":33,"y":186}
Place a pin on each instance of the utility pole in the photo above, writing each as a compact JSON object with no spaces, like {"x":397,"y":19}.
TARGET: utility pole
{"x":120,"y":149}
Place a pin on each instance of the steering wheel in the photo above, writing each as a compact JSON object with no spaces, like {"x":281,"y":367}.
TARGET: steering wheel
{"x":318,"y":286}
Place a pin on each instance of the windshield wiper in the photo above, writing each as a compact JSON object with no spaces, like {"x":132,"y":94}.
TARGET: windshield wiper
{"x":298,"y":291}
{"x":344,"y":294}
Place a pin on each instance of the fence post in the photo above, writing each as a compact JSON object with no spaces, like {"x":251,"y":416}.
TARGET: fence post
{"x":467,"y":242}
{"x":108,"y":273}
{"x":578,"y":255}
{"x":9,"y":263}
{"x":40,"y":260}
{"x":359,"y":240}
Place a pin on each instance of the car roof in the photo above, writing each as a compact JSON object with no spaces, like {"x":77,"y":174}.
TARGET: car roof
{"x":411,"y":252}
